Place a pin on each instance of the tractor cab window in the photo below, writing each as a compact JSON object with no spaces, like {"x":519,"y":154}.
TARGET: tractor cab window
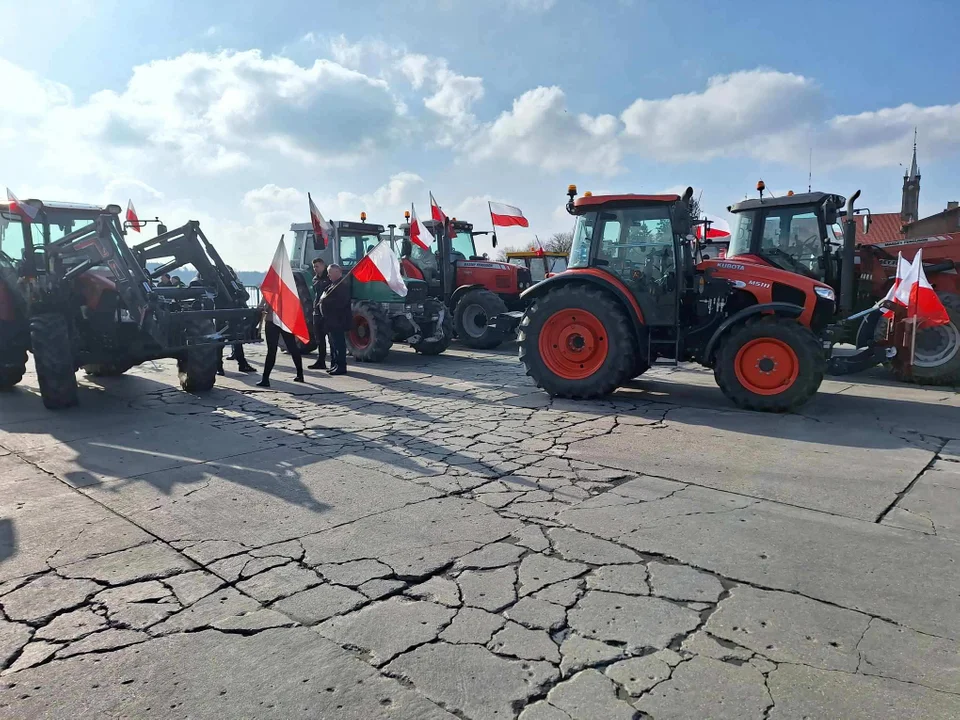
{"x":742,"y":234}
{"x":557,"y":264}
{"x":462,"y":242}
{"x":791,"y":240}
{"x":351,"y":250}
{"x":582,"y":238}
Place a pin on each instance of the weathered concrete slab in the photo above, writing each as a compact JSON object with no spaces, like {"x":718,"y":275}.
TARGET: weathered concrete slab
{"x":791,"y":460}
{"x":933,"y":504}
{"x":877,"y":570}
{"x":286,"y":673}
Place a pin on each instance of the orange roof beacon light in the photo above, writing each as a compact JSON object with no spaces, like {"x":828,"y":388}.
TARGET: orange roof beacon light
{"x":588,"y":194}
{"x":761,"y":186}
{"x":406,"y":215}
{"x":789,"y":193}
{"x":363,"y":217}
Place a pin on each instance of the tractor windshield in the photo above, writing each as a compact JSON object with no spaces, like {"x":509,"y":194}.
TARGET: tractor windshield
{"x":462,"y":242}
{"x":789,"y":238}
{"x":355,"y":246}
{"x":582,"y":236}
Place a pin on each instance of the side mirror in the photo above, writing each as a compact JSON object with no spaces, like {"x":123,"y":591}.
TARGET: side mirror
{"x":866,"y":223}
{"x":406,"y":248}
{"x":494,"y":239}
{"x":486,"y":256}
{"x":161,"y":229}
{"x":830,"y":214}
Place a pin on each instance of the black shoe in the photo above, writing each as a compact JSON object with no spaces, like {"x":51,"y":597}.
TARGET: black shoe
{"x":231,"y":357}
{"x":299,"y":378}
{"x":331,"y":370}
{"x":221,"y":372}
{"x":339,"y":372}
{"x":319,"y":365}
{"x":246,"y":368}
{"x":263,"y":383}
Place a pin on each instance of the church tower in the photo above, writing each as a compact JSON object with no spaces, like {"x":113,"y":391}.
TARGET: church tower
{"x":910,"y":206}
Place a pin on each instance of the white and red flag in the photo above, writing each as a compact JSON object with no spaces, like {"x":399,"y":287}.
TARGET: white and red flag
{"x":280,"y":292}
{"x":132,"y":216}
{"x":381,"y":265}
{"x":27,"y":212}
{"x":903,"y":267}
{"x":719,"y":229}
{"x":418,"y":232}
{"x":921,"y":300}
{"x":506,"y":215}
{"x":321,"y":229}
{"x":436,"y":213}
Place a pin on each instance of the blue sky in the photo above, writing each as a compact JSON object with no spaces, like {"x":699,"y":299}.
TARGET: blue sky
{"x":230,"y":112}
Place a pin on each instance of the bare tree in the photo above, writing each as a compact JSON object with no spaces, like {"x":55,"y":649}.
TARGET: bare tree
{"x":560,"y":242}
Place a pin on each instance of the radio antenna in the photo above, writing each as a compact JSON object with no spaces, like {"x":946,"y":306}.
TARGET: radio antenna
{"x":810,"y":173}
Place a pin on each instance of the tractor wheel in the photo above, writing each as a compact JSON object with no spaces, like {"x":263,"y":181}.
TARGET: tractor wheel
{"x":577,"y":342}
{"x":471,"y":315}
{"x":435,"y":347}
{"x":53,"y":358}
{"x":12,"y":370}
{"x":936,"y":358}
{"x":773,"y":365}
{"x":198,"y":365}
{"x":372,"y":334}
{"x":107,"y":369}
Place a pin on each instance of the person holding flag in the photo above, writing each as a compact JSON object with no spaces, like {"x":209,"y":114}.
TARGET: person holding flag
{"x":283,"y":314}
{"x":337,"y":312}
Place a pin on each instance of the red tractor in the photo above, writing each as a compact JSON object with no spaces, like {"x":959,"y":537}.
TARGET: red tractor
{"x":634,"y":294}
{"x":480,"y":293}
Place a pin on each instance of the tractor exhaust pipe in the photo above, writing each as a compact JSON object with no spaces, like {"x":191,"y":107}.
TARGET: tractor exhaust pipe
{"x":849,"y":251}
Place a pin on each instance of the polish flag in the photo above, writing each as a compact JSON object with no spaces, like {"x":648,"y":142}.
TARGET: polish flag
{"x":540,"y":251}
{"x":436,"y":213}
{"x":321,"y":229}
{"x":506,"y":215}
{"x":920,"y":298}
{"x":280,"y":292}
{"x":903,"y":267}
{"x":418,"y":233}
{"x":719,"y":229}
{"x":132,"y":216}
{"x":27,"y":212}
{"x":381,"y":265}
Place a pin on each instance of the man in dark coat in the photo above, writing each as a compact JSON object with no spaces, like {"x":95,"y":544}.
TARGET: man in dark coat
{"x":321,"y":281}
{"x":337,"y":318}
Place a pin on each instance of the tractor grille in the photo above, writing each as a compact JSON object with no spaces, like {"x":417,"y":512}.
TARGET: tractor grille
{"x":416,"y":292}
{"x":523,"y":279}
{"x":787,"y":294}
{"x":822,"y":314}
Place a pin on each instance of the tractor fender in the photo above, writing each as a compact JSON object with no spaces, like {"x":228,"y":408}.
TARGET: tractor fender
{"x":595,"y":278}
{"x":463,"y":290}
{"x":781,"y":309}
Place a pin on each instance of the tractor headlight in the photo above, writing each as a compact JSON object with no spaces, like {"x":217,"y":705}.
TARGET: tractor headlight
{"x":825,"y":292}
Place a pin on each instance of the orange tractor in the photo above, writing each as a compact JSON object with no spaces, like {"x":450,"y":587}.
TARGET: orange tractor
{"x":634,"y":294}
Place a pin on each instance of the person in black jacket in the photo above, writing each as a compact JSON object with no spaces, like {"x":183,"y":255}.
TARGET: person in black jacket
{"x":337,"y":318}
{"x":321,"y":281}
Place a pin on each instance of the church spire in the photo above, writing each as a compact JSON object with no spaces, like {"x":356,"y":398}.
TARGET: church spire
{"x":910,"y":205}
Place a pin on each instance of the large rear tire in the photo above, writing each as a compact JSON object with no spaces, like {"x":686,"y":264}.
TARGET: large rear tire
{"x":577,"y":342}
{"x":771,"y":365}
{"x":937,"y":352}
{"x":435,"y":347}
{"x":198,"y":366}
{"x":53,"y":358}
{"x":472,"y":315}
{"x":12,"y":370}
{"x":371,"y":336}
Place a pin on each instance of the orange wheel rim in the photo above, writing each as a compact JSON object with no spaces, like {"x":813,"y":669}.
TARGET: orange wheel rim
{"x":360,"y":334}
{"x":767,"y":366}
{"x":573,"y":344}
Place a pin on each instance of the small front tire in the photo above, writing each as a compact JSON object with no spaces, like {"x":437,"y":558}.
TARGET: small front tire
{"x":53,"y":358}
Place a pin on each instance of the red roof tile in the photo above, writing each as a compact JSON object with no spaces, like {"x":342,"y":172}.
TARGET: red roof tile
{"x":884,"y":227}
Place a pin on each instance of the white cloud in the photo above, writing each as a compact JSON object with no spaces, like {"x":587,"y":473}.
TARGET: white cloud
{"x":540,"y":130}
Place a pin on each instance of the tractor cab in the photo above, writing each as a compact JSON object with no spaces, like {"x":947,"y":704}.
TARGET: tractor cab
{"x":797,"y":233}
{"x":347,"y":243}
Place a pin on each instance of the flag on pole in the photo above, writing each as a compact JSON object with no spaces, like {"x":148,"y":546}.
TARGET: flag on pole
{"x":436,"y":213}
{"x":506,"y":215}
{"x":132,"y":216}
{"x":540,"y":251}
{"x":418,"y":232}
{"x":381,"y":265}
{"x":920,"y":298}
{"x":903,"y":267}
{"x":321,"y":229}
{"x":27,"y":212}
{"x":719,"y":229}
{"x":280,"y":292}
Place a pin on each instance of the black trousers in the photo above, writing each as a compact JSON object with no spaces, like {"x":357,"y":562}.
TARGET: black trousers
{"x":338,"y":351}
{"x":273,"y":333}
{"x":238,"y":355}
{"x":320,"y":333}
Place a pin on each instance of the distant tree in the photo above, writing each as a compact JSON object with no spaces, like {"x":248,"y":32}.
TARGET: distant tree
{"x":695,"y":213}
{"x":559,"y":242}
{"x":663,"y":231}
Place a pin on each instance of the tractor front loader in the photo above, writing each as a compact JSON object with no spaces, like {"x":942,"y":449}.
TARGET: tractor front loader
{"x":90,"y":300}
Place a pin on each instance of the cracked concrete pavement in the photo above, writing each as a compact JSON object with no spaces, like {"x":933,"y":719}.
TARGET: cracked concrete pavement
{"x":435,"y":538}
